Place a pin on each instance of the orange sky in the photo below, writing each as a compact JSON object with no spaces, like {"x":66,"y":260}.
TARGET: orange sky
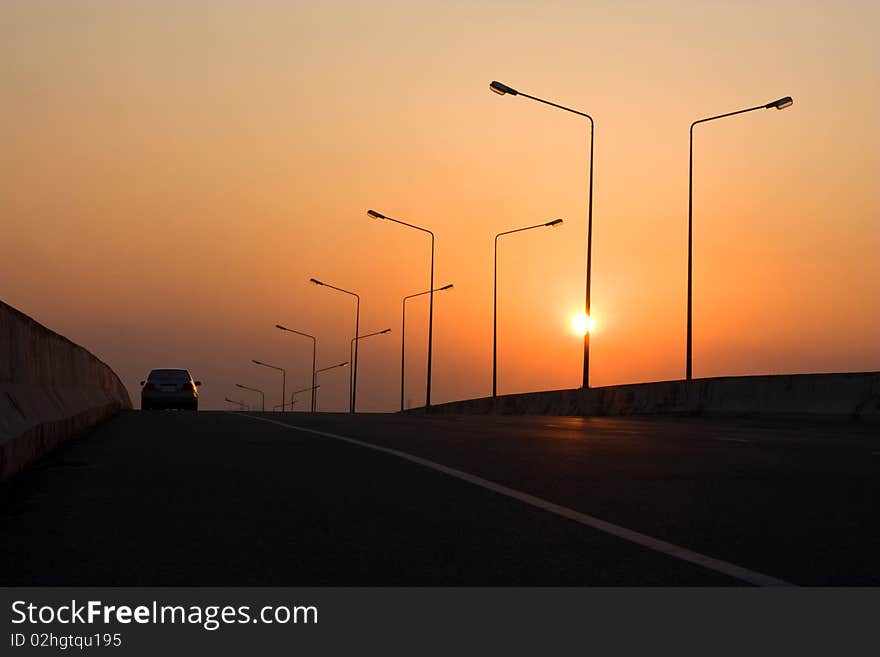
{"x":173,"y":173}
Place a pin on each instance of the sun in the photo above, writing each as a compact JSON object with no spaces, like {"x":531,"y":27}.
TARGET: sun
{"x":581,"y":324}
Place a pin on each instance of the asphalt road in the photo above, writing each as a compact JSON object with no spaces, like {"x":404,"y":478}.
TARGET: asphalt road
{"x":213,"y":498}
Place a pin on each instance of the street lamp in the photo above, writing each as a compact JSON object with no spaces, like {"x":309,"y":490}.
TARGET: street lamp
{"x":352,"y":379}
{"x":324,"y":369}
{"x":242,"y":406}
{"x":283,"y":377}
{"x":550,"y":224}
{"x":262,"y":395}
{"x":354,"y":341}
{"x":780,"y":104}
{"x":314,"y":353}
{"x":311,"y":389}
{"x":403,"y":335}
{"x":503,"y":89}
{"x":378,"y":215}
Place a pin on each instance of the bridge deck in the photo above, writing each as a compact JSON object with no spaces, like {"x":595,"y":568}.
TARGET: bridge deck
{"x":213,"y":498}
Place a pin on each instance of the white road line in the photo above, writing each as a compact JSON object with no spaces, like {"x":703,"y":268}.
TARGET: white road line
{"x":669,"y":549}
{"x":734,"y":440}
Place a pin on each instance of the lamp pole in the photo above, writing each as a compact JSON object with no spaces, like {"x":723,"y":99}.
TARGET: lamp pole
{"x":242,"y":406}
{"x":283,"y":377}
{"x":555,"y":222}
{"x":379,"y":215}
{"x":353,"y":347}
{"x":262,"y":394}
{"x":352,"y":379}
{"x":311,"y":389}
{"x":314,"y":354}
{"x":403,"y":336}
{"x":780,"y":104}
{"x":324,"y":369}
{"x":503,"y":89}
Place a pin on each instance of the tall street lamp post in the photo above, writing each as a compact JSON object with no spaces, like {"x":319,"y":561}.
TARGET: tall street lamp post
{"x":555,"y":222}
{"x":262,"y":395}
{"x":352,"y":380}
{"x":379,"y":215}
{"x":353,"y":347}
{"x":403,"y":336}
{"x":314,"y":354}
{"x":780,"y":104}
{"x":503,"y":89}
{"x":283,"y":377}
{"x":310,"y":389}
{"x":324,"y":369}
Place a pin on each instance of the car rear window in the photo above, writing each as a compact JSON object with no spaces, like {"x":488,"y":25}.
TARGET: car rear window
{"x":169,"y":375}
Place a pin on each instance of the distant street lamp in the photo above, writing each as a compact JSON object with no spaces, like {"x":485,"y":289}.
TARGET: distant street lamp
{"x":283,"y":377}
{"x":503,"y":89}
{"x":378,"y":215}
{"x":324,"y":369}
{"x":353,"y":348}
{"x":293,"y":395}
{"x":352,"y":379}
{"x":780,"y":104}
{"x":403,"y":336}
{"x":551,"y":224}
{"x":240,"y":404}
{"x":262,"y":395}
{"x":314,"y":354}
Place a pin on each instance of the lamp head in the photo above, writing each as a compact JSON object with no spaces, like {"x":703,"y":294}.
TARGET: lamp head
{"x":782,"y":103}
{"x":376,"y":215}
{"x":555,"y":222}
{"x":388,"y":330}
{"x":315,"y":281}
{"x":447,"y":287}
{"x":279,"y":326}
{"x":502,"y":89}
{"x":256,"y":362}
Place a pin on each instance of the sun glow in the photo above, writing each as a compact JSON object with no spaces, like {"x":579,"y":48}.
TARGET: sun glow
{"x":581,"y":324}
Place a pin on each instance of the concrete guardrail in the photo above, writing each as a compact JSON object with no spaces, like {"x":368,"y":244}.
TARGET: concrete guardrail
{"x":842,"y":396}
{"x":51,"y":390}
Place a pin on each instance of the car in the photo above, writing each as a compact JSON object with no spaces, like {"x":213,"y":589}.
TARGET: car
{"x":170,"y":388}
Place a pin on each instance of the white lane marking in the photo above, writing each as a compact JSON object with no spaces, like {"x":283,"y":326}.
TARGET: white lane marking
{"x":669,"y":549}
{"x":734,"y":440}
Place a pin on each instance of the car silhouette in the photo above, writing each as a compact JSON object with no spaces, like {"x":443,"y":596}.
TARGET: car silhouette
{"x":170,"y":388}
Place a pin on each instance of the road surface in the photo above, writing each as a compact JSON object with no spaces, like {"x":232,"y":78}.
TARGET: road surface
{"x":214,"y":498}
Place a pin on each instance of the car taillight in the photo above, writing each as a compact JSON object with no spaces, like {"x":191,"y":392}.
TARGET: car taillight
{"x":186,"y":387}
{"x":149,"y":386}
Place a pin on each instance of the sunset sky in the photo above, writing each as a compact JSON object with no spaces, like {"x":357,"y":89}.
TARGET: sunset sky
{"x":174,"y":172}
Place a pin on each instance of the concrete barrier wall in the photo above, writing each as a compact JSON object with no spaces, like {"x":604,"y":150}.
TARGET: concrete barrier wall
{"x":844,"y":396}
{"x":51,"y":390}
